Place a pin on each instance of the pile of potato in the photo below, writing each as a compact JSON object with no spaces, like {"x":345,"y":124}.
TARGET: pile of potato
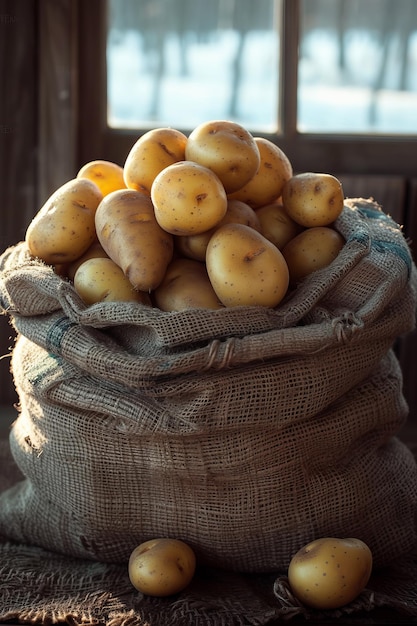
{"x":216,"y":219}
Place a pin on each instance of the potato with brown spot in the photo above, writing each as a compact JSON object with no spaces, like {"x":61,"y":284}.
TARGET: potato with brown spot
{"x":195,"y":246}
{"x":64,"y":228}
{"x":311,"y":250}
{"x":152,"y":153}
{"x":245,"y":268}
{"x":313,"y":199}
{"x":276,"y":224}
{"x":228,"y":149}
{"x":130,"y":235}
{"x":188,"y":198}
{"x":108,"y":176}
{"x":267,"y":183}
{"x":99,"y":279}
{"x":328,"y":573}
{"x":186,"y":285}
{"x":162,"y":567}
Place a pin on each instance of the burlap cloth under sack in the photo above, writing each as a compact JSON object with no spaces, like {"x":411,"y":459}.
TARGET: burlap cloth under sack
{"x":247,"y":432}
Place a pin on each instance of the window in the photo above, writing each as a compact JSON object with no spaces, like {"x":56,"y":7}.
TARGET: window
{"x":333,"y":82}
{"x":181,"y":62}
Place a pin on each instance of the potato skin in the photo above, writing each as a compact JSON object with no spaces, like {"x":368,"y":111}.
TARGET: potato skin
{"x":162,"y":566}
{"x":186,"y":285}
{"x":311,"y":250}
{"x":276,"y":224}
{"x":267,"y":183}
{"x":108,"y":176}
{"x":130,"y":235}
{"x":313,"y":199}
{"x":195,"y":246}
{"x":245,"y":268}
{"x":227,"y":148}
{"x":329,"y":572}
{"x":64,"y":228}
{"x":93,"y":252}
{"x":99,"y":279}
{"x":188,"y":198}
{"x":152,"y":153}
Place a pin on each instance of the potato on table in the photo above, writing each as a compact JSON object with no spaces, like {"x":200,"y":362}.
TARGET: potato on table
{"x":330,"y":572}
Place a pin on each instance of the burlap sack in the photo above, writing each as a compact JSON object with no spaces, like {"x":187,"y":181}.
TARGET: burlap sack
{"x":247,"y":432}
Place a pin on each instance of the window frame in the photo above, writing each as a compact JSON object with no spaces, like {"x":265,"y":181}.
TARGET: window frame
{"x":332,"y":153}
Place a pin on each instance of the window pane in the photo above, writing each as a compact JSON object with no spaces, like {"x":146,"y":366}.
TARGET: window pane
{"x":358,"y":66}
{"x":182,"y":62}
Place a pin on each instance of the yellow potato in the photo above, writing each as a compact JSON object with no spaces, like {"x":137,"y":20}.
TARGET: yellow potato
{"x":329,"y":572}
{"x":313,"y":199}
{"x":101,"y":280}
{"x":245,"y":268}
{"x":186,"y":285}
{"x":228,"y":149}
{"x":161,"y":567}
{"x":63,"y":228}
{"x":188,"y":198}
{"x":130,"y":235}
{"x":195,"y":246}
{"x":95,"y":251}
{"x":276,"y":224}
{"x":108,"y":176}
{"x":152,"y":153}
{"x":267,"y":183}
{"x":311,"y":250}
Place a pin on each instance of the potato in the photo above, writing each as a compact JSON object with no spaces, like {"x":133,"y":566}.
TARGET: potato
{"x":329,"y":572}
{"x":152,"y":153}
{"x":188,"y":198}
{"x":108,"y":176}
{"x":129,"y":233}
{"x":228,"y":149}
{"x":195,"y":246}
{"x":245,"y":268}
{"x":311,"y":250}
{"x":95,"y":251}
{"x":101,"y":280}
{"x":161,"y":567}
{"x":313,"y":199}
{"x":186,"y":285}
{"x":277,"y":225}
{"x":267,"y":183}
{"x":63,"y":228}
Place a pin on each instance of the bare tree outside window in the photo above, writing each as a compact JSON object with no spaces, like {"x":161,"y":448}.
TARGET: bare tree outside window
{"x":180,"y":62}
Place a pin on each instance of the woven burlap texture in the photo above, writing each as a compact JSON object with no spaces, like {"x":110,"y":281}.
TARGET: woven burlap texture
{"x":246,"y":432}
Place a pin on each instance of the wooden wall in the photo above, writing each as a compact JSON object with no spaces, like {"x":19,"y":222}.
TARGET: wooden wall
{"x":37,"y":122}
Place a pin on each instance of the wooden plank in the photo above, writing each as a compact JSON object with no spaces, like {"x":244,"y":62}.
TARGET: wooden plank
{"x":388,"y":191}
{"x":58,"y":57}
{"x":18,"y":147}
